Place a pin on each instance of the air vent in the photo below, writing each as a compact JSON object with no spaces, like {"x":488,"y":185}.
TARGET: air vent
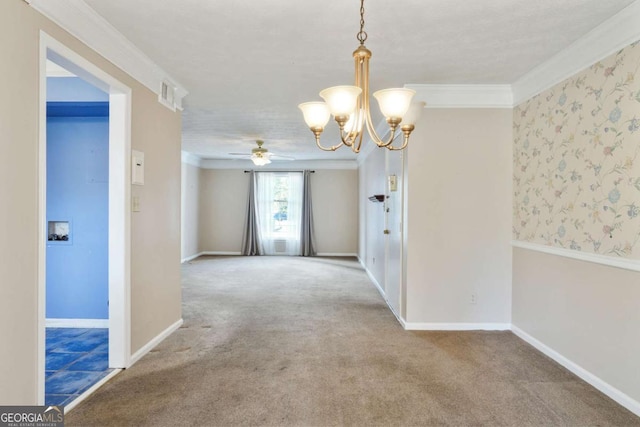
{"x":168,"y":95}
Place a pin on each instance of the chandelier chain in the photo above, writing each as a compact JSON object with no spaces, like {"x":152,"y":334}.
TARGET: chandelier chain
{"x":362,"y":35}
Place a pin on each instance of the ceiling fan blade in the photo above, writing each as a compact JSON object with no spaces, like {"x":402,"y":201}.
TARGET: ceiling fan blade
{"x":278,"y":157}
{"x":240,"y":154}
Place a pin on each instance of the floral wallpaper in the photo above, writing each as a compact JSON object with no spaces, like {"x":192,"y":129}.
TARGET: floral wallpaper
{"x":577,"y":161}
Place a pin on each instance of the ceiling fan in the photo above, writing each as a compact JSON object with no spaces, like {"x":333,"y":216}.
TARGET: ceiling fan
{"x":261,"y":156}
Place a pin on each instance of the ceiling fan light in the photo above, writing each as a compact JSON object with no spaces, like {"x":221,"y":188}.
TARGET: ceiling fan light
{"x":341,"y":100}
{"x":316,"y":114}
{"x":413,"y":113}
{"x":394,"y":102}
{"x":259,"y":160}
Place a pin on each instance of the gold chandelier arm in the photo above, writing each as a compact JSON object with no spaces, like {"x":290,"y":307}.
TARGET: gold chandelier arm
{"x":404,"y":145}
{"x":406,"y":130}
{"x":332,"y":148}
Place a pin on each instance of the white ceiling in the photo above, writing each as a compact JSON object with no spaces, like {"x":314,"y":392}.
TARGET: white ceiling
{"x":248,"y":64}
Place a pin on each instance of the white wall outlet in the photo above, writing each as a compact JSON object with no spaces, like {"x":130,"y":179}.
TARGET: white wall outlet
{"x":474,"y":298}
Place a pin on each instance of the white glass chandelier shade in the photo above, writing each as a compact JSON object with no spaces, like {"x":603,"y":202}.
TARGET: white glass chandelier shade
{"x":341,"y":100}
{"x":395,"y":102}
{"x":355,"y":122}
{"x":316,"y":114}
{"x":413,"y":113}
{"x":260,"y":160}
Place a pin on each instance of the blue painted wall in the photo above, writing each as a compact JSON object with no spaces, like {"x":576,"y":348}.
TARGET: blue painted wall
{"x":77,"y":191}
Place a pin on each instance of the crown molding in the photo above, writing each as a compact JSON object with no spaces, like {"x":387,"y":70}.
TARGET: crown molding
{"x":84,"y":23}
{"x":278,"y":165}
{"x":617,"y":32}
{"x":463,"y":96}
{"x":191,"y":159}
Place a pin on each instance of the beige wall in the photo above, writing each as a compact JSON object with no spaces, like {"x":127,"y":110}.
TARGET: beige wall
{"x":155,"y":274}
{"x":156,"y":294}
{"x":588,"y":313}
{"x":335,"y":206}
{"x":582,"y":198}
{"x":459,"y":217}
{"x":223,"y":205}
{"x":190,"y":210}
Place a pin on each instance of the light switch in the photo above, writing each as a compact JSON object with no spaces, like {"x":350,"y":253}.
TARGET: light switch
{"x":393,"y":183}
{"x":137,"y":167}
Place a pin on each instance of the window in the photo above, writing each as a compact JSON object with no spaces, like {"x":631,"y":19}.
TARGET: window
{"x":279,"y":206}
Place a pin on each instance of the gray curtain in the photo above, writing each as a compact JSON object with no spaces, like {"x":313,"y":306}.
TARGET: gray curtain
{"x":251,"y":243}
{"x":307,"y":239}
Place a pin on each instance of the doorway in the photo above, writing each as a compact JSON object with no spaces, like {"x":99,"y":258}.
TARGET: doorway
{"x":77,"y":321}
{"x":117,"y":175}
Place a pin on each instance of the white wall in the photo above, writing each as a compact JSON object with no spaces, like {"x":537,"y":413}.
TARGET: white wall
{"x":459,"y":217}
{"x":190,"y":210}
{"x":372,"y":250}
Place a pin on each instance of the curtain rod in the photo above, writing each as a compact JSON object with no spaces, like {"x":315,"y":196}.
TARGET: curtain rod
{"x":278,"y":171}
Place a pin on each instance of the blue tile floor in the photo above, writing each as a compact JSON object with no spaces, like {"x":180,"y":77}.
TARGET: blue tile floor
{"x":76,"y":359}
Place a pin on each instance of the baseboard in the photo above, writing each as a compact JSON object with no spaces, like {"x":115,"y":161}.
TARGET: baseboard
{"x":374,"y":281}
{"x":606,"y":388}
{"x":337,"y":254}
{"x":221,"y":253}
{"x":189,"y":258}
{"x":76,"y":323}
{"x":154,"y":342}
{"x":417,"y":326}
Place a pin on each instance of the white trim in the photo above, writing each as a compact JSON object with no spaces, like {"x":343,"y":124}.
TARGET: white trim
{"x":376,"y":284}
{"x":91,"y":390}
{"x":155,"y":341}
{"x":119,"y":200}
{"x":89,"y":27}
{"x":606,"y":388}
{"x":279,"y":165}
{"x":416,"y":326}
{"x":191,"y":159}
{"x":191,"y":257}
{"x":463,"y":96}
{"x":231,"y":253}
{"x":336,"y":254}
{"x":612,"y":35}
{"x":77,"y":323}
{"x":624,"y":263}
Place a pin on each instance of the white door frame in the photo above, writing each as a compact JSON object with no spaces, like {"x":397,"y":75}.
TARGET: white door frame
{"x":119,"y":201}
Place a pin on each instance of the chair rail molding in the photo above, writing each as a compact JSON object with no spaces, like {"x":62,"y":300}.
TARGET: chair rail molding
{"x":624,"y":263}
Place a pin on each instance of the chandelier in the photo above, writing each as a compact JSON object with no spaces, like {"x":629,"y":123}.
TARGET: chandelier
{"x":350,"y":106}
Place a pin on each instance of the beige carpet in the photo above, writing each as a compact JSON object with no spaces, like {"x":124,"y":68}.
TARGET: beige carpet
{"x":282,"y":341}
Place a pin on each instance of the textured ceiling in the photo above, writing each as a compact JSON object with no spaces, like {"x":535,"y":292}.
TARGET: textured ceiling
{"x":248,"y":64}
